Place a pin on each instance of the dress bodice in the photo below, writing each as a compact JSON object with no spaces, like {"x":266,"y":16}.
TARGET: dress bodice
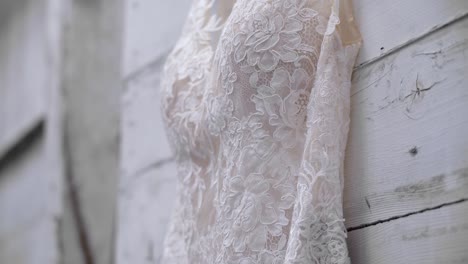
{"x":256,"y":107}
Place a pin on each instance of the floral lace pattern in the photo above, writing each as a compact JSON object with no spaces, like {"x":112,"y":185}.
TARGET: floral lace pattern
{"x":258,"y":123}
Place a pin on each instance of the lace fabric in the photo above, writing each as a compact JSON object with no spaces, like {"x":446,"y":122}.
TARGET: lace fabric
{"x":256,"y":107}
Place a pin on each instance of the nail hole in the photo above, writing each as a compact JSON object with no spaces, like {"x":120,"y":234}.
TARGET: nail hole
{"x":413,"y":151}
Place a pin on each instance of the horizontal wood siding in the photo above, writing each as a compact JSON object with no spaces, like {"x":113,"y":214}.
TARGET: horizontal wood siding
{"x":387,"y":25}
{"x":408,"y":148}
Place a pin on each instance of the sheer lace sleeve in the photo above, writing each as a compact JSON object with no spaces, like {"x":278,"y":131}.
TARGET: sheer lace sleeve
{"x":276,"y":116}
{"x":318,"y":233}
{"x":286,"y":79}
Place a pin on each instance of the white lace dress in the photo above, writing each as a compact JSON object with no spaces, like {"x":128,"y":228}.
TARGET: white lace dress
{"x":256,"y":106}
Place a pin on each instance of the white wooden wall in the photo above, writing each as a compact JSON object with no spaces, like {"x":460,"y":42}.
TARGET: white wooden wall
{"x":407,"y":157}
{"x":60,"y":84}
{"x":30,"y":183}
{"x":406,"y":166}
{"x":147,"y":181}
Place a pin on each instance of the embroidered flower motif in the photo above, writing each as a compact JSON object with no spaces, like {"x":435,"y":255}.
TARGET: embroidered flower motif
{"x":246,"y":260}
{"x":337,"y":249}
{"x":229,"y":78}
{"x":327,"y":26}
{"x":320,"y":239}
{"x":333,"y":252}
{"x":219,"y":110}
{"x":288,"y":114}
{"x":273,"y":257}
{"x":296,"y":8}
{"x":252,"y":213}
{"x":271,"y":38}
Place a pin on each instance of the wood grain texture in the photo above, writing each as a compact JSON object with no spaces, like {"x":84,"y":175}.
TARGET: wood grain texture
{"x":30,"y":174}
{"x":148,"y":179}
{"x":91,"y":83}
{"x":432,"y":237}
{"x":144,"y":136}
{"x":408,"y":144}
{"x":387,"y":25}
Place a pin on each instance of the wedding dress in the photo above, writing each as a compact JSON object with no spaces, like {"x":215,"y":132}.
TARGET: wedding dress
{"x":256,"y":101}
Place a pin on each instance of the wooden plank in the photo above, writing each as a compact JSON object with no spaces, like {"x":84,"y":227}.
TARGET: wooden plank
{"x":30,"y":166}
{"x":28,"y":194}
{"x":432,"y":237}
{"x":151,"y":29}
{"x":146,"y":201}
{"x":91,"y":88}
{"x":23,"y":70}
{"x":408,"y":148}
{"x":148,"y":173}
{"x":388,"y":24}
{"x":144,"y":140}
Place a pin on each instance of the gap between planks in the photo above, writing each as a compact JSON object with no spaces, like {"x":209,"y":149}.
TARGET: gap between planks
{"x":153,"y":166}
{"x":349,"y":229}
